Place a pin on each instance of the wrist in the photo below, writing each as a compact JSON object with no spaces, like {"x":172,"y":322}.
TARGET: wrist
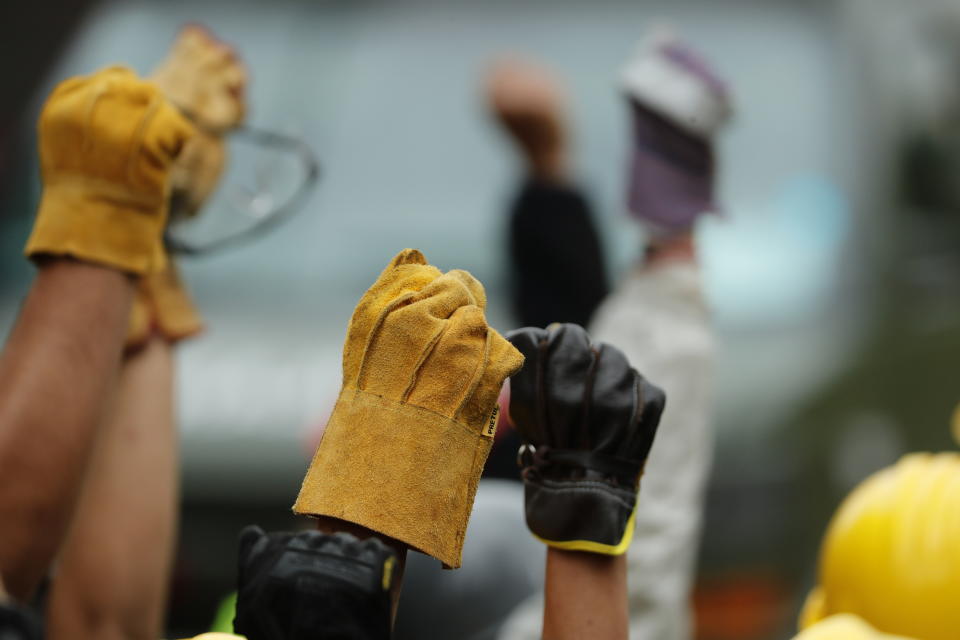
{"x":585,"y":596}
{"x":53,"y":266}
{"x":328,"y":524}
{"x":551,"y":166}
{"x":675,"y":247}
{"x":121,"y":233}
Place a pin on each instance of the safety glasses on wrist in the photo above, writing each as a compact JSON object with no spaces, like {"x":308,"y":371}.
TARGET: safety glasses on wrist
{"x":268,"y":179}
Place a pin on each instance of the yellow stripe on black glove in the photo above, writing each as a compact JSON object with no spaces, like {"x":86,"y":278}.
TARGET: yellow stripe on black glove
{"x":408,"y":438}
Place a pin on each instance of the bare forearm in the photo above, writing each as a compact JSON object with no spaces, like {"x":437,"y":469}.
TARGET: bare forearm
{"x":123,"y":531}
{"x":56,"y":372}
{"x":586,"y":596}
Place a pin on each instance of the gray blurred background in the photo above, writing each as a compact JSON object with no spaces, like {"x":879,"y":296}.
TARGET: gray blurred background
{"x":833,"y":273}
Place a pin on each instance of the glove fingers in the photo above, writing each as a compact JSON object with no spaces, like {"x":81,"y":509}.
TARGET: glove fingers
{"x":407,"y":256}
{"x":138,"y":328}
{"x":164,"y":136}
{"x":502,"y":360}
{"x":473,"y":286}
{"x":58,"y":125}
{"x":406,"y":274}
{"x":652,"y":401}
{"x":448,"y":371}
{"x":191,"y":42}
{"x":204,"y":76}
{"x":249,"y":536}
{"x":444,"y":295}
{"x":94,"y":112}
{"x":613,"y":401}
{"x":527,"y":408}
{"x":121,"y":112}
{"x":176,"y":316}
{"x":109,"y":124}
{"x":410,"y":330}
{"x":197,"y":171}
{"x":568,"y":374}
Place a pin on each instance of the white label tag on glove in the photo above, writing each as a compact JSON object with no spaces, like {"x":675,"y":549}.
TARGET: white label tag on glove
{"x":491,"y":427}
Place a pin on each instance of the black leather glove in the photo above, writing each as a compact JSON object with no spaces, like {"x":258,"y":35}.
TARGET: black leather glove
{"x":588,"y":421}
{"x":313,"y":586}
{"x":18,"y":623}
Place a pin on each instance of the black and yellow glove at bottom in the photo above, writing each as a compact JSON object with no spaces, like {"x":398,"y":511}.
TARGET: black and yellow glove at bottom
{"x":313,"y":586}
{"x":588,"y":421}
{"x":18,"y":623}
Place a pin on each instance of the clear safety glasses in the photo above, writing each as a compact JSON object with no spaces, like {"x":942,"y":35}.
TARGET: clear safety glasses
{"x":268,"y":179}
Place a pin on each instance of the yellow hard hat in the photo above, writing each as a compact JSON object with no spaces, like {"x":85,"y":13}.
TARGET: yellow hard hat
{"x":891,"y":554}
{"x":844,"y":626}
{"x":955,"y":424}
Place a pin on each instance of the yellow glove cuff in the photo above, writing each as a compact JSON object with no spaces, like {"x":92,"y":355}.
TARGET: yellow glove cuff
{"x":78,"y":221}
{"x":408,"y":438}
{"x":418,"y":469}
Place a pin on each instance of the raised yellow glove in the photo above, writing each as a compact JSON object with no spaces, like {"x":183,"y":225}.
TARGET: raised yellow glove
{"x":411,"y":430}
{"x":203,"y":76}
{"x":107,"y":144}
{"x":205,"y":80}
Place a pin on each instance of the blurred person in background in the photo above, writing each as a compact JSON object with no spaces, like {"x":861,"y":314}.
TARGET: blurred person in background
{"x":656,"y":314}
{"x":108,"y":143}
{"x":557,"y":260}
{"x":113,"y":571}
{"x":555,"y":250}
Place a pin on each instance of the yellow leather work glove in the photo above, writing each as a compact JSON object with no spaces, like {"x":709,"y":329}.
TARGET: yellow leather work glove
{"x":412,"y":427}
{"x":206,"y":80}
{"x":162,"y":305}
{"x":107,"y":144}
{"x":203,"y":77}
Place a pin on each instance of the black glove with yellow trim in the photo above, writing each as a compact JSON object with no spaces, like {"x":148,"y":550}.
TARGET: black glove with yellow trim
{"x":587,"y":420}
{"x":313,"y":586}
{"x":18,"y":623}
